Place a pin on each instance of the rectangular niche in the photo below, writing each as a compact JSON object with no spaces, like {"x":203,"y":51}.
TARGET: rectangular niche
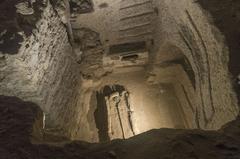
{"x":128,"y":48}
{"x":127,"y":54}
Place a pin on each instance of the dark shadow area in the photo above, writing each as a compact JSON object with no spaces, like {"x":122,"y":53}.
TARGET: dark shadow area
{"x":101,"y":115}
{"x":133,"y":57}
{"x":127,"y":47}
{"x":103,"y":5}
{"x":81,"y":6}
{"x":16,"y":124}
{"x":101,"y":118}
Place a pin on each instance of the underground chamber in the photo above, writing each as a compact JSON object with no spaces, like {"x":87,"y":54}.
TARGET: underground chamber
{"x":119,"y":79}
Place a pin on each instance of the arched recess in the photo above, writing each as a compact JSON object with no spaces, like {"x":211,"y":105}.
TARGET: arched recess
{"x":189,"y":29}
{"x":173,"y":68}
{"x":196,"y":86}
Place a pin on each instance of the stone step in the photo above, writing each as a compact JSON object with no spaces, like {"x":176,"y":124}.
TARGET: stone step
{"x":132,"y":3}
{"x":130,"y":38}
{"x":135,"y":22}
{"x":139,"y":14}
{"x":136,"y":11}
{"x":135,"y":35}
{"x":136,"y":31}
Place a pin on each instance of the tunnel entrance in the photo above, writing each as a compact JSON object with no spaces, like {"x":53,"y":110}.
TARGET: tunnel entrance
{"x":113,"y":115}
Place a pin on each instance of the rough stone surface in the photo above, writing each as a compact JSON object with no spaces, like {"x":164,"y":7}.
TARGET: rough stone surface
{"x":18,"y":19}
{"x":120,"y":22}
{"x":44,"y":71}
{"x":81,"y":6}
{"x":63,"y":9}
{"x":186,"y":26}
{"x":226,"y":16}
{"x":90,"y":53}
{"x":19,"y":122}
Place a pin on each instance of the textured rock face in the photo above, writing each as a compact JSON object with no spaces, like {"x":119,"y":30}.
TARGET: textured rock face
{"x":44,"y":71}
{"x":63,"y":9}
{"x":227,"y":19}
{"x":19,"y":120}
{"x":188,"y":28}
{"x":119,"y":21}
{"x":18,"y":19}
{"x":89,"y":51}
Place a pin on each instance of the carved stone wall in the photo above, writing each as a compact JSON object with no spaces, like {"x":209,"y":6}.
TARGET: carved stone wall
{"x":186,"y":26}
{"x":44,"y":71}
{"x":227,"y":20}
{"x":89,"y":51}
{"x":18,"y":19}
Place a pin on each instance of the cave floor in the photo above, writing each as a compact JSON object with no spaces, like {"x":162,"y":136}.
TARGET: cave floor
{"x":154,"y":144}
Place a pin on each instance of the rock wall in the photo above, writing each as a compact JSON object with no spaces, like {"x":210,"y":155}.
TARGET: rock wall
{"x":18,"y":18}
{"x":44,"y":71}
{"x":187,"y":27}
{"x":86,"y":127}
{"x":19,"y":122}
{"x":226,"y":16}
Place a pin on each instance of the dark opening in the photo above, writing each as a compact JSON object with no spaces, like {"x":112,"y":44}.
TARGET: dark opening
{"x":133,"y":57}
{"x":100,"y":115}
{"x":128,"y":47}
{"x":81,"y":7}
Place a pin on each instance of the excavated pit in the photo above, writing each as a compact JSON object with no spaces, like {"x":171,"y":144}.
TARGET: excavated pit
{"x":119,"y":79}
